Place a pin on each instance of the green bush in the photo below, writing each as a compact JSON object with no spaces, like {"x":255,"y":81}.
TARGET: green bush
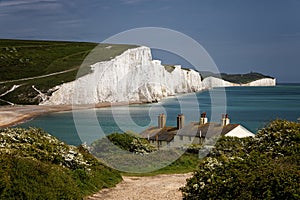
{"x":127,"y":141}
{"x":264,"y":167}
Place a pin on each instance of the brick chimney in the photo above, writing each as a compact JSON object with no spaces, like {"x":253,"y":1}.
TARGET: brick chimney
{"x":225,"y":120}
{"x":161,"y":120}
{"x":180,"y":121}
{"x":203,"y":118}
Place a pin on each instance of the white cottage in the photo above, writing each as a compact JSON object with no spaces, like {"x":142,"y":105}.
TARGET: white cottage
{"x":193,"y":133}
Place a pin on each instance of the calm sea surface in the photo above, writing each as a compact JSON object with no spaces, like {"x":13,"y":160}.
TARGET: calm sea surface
{"x":253,"y":107}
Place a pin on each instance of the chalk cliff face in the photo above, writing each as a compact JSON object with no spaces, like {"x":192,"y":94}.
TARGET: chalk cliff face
{"x":211,"y":82}
{"x":131,"y":76}
{"x":134,"y":76}
{"x":262,"y":82}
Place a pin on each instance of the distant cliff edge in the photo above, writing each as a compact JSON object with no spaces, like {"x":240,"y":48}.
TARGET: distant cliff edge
{"x":134,"y":76}
{"x":211,"y":82}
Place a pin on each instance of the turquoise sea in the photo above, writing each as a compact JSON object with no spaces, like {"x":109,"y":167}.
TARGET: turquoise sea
{"x":253,"y":107}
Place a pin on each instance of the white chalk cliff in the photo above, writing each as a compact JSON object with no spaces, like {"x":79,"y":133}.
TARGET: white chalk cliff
{"x":212,"y":82}
{"x":131,"y":76}
{"x":134,"y":76}
{"x":262,"y":82}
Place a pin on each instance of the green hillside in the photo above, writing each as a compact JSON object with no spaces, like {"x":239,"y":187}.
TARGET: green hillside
{"x":22,"y":59}
{"x":36,"y":165}
{"x":243,"y":78}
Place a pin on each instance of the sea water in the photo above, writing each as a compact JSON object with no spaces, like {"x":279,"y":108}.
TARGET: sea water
{"x":252,"y":107}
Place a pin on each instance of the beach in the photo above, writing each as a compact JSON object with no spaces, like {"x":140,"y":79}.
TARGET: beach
{"x":13,"y":115}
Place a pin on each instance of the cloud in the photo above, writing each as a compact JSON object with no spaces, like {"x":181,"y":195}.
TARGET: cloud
{"x":18,"y":7}
{"x":290,"y":35}
{"x":30,"y":8}
{"x":23,"y":2}
{"x":130,"y":2}
{"x":70,"y":23}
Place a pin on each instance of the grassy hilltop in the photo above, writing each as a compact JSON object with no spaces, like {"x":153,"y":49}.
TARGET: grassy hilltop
{"x":23,"y":59}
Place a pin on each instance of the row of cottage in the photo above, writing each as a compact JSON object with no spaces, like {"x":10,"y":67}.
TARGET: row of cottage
{"x":193,"y":133}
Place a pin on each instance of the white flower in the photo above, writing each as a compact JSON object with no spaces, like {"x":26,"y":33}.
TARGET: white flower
{"x":196,"y":186}
{"x":202,"y":185}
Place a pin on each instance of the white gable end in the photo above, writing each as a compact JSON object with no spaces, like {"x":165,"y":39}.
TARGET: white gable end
{"x":240,"y":132}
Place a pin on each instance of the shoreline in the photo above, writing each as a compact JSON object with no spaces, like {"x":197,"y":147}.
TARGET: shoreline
{"x":18,"y":114}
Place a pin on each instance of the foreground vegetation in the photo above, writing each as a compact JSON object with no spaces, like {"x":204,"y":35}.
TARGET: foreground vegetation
{"x":21,"y":59}
{"x":134,"y":155}
{"x":35,"y":165}
{"x":264,"y":167}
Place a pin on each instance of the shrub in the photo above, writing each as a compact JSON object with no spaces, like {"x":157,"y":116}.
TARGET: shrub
{"x":264,"y":167}
{"x":127,"y":141}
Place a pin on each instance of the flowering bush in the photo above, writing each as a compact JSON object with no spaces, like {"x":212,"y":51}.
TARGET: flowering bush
{"x":40,"y":145}
{"x":264,"y":167}
{"x":36,"y":165}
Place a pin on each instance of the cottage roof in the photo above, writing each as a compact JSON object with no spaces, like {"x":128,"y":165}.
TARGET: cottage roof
{"x":160,"y":134}
{"x":195,"y":129}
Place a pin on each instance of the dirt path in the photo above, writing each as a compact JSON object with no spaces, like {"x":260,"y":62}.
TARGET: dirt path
{"x":160,"y":187}
{"x":41,"y":76}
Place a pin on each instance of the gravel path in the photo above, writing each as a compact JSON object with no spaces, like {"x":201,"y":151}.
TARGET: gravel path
{"x":160,"y":187}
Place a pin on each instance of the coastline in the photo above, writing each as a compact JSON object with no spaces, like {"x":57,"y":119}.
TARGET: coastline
{"x":17,"y":114}
{"x":13,"y":115}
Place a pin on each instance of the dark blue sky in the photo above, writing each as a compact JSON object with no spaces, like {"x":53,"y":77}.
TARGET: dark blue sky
{"x":240,"y":35}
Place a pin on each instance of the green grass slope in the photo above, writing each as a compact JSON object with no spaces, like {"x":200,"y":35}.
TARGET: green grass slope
{"x":22,"y":59}
{"x":35,"y":165}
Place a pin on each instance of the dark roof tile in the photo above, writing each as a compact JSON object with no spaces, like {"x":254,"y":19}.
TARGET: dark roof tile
{"x":160,"y":134}
{"x":206,"y":130}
